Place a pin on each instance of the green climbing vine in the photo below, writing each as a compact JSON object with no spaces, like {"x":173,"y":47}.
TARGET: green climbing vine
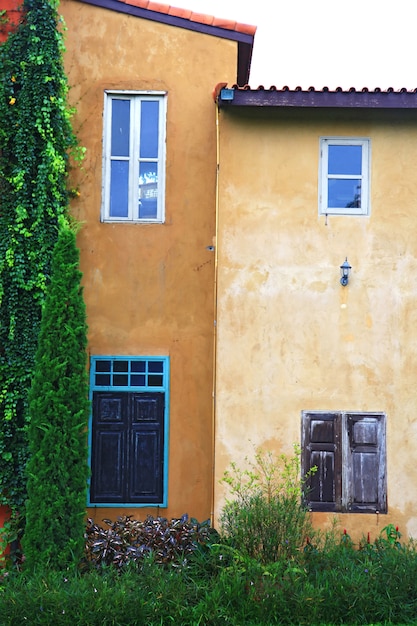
{"x":36,"y":139}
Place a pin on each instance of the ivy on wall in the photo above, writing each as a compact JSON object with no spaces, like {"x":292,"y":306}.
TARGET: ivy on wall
{"x":36,"y":139}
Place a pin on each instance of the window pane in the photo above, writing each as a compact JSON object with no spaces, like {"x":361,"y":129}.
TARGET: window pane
{"x":155,"y":366}
{"x":102,"y":380}
{"x":103,"y":366}
{"x":119,"y":188}
{"x":120,"y":366}
{"x":120,"y":123}
{"x":149,"y":130}
{"x":345,"y":160}
{"x":137,"y":380}
{"x":120,"y":380}
{"x":344,"y":193}
{"x":138,"y":366}
{"x":148,"y":190}
{"x":154,"y":380}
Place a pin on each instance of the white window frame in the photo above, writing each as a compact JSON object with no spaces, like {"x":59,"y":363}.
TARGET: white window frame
{"x":136,"y":97}
{"x":324,"y":175}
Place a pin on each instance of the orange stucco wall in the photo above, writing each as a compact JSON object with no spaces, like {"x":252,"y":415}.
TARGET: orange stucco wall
{"x":10,"y":18}
{"x":290,"y":337}
{"x":149,"y":288}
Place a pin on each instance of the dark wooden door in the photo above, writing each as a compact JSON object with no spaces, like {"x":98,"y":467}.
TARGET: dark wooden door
{"x":127,"y":447}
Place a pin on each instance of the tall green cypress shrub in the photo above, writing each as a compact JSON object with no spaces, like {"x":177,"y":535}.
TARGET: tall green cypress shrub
{"x":59,"y":409}
{"x":35,"y":139}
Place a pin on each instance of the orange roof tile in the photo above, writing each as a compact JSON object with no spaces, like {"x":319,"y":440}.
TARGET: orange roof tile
{"x":243,"y":34}
{"x":187,"y":14}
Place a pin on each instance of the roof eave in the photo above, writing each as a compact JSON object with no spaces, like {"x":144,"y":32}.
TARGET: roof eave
{"x":244,"y":39}
{"x":244,"y":59}
{"x":351,"y":99}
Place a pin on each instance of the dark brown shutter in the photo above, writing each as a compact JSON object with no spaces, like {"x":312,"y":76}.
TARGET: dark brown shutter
{"x":321,"y":445}
{"x":365,"y":479}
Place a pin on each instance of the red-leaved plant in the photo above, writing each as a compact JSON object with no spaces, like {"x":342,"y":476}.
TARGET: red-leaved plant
{"x":129,"y":540}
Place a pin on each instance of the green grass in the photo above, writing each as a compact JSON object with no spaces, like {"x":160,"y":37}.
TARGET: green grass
{"x":335,"y":584}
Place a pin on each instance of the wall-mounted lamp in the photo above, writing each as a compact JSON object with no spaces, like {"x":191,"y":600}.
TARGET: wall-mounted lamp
{"x":344,"y":272}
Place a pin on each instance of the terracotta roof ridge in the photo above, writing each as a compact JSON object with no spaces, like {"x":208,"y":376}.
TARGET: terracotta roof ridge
{"x":324,"y":89}
{"x":187,"y":14}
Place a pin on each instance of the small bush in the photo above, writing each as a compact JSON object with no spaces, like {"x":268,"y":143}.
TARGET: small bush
{"x":266,"y":520}
{"x":129,"y":540}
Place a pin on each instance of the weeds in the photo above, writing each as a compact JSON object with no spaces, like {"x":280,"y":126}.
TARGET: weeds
{"x":266,"y":519}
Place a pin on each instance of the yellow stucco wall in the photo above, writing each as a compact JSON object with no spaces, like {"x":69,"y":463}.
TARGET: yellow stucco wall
{"x":149,"y":288}
{"x":289,"y":336}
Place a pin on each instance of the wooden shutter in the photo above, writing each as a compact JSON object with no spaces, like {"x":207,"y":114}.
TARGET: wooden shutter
{"x":321,"y":445}
{"x":365,"y":477}
{"x":146,"y":448}
{"x":127,"y":448}
{"x":108,"y":449}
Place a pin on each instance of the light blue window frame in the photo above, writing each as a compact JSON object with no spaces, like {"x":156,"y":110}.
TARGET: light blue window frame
{"x":134,"y":154}
{"x":344,"y":171}
{"x":149,"y":384}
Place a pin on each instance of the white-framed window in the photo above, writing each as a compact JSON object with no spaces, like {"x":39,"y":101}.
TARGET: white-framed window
{"x":344,"y":176}
{"x":134,"y":157}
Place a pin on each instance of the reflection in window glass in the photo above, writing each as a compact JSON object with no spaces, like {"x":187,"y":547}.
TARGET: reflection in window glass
{"x":148,"y":190}
{"x":345,"y":160}
{"x":120,"y":128}
{"x":119,"y":189}
{"x":149,"y":129}
{"x":344,"y":176}
{"x":134,"y":157}
{"x":344,"y":193}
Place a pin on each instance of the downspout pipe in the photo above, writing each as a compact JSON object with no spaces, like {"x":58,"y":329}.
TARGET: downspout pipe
{"x":215,"y":309}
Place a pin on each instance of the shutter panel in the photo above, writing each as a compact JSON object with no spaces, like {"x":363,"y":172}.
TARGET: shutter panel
{"x":109,"y":434}
{"x":321,"y":445}
{"x":146,"y":448}
{"x":365,"y":484}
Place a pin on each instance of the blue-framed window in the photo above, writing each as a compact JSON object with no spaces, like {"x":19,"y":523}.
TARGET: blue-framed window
{"x":134,"y":157}
{"x":128,"y":432}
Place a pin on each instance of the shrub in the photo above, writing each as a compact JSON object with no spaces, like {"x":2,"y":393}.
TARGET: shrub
{"x":128,"y":541}
{"x":266,"y":519}
{"x":59,"y":409}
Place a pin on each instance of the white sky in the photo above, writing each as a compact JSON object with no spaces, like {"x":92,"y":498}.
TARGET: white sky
{"x":346,"y":43}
